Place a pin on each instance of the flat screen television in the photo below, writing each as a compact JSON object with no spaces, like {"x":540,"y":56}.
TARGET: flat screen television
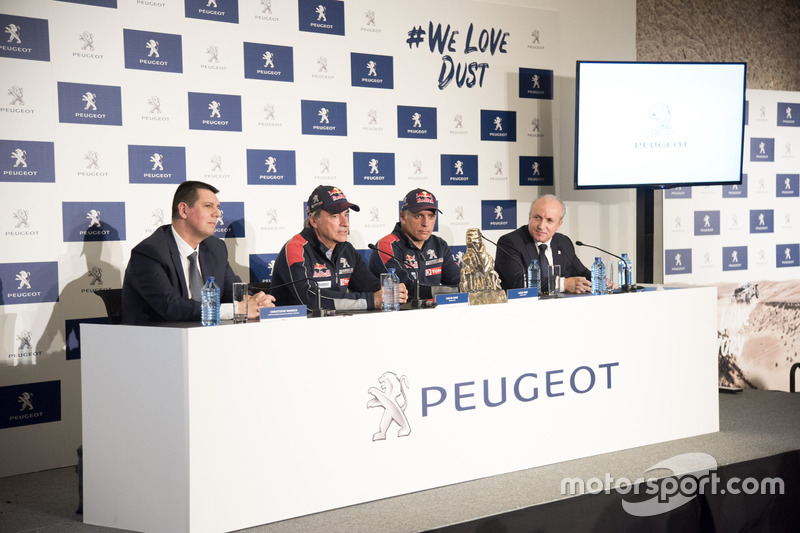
{"x":658,"y":125}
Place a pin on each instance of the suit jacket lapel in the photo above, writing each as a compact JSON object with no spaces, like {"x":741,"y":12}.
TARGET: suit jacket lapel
{"x":531,"y":251}
{"x":177,"y":264}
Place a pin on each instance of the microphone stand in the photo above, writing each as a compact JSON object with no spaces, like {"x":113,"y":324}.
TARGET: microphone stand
{"x":319,"y":311}
{"x":625,"y":287}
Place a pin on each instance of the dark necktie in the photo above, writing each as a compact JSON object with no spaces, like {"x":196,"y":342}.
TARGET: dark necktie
{"x":543,"y":264}
{"x":195,"y":279}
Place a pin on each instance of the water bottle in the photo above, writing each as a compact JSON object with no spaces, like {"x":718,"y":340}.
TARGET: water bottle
{"x":209,"y":303}
{"x":390,"y":285}
{"x":598,"y":276}
{"x":624,"y":271}
{"x":621,"y":270}
{"x":630,"y":279}
{"x":534,"y":280}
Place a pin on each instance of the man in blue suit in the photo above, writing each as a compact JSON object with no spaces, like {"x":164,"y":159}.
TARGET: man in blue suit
{"x":166,"y":270}
{"x":539,"y":240}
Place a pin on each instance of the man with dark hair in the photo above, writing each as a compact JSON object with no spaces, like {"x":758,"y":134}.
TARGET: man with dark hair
{"x":318,"y":267}
{"x":166,"y":270}
{"x":539,"y":240}
{"x":417,"y":255}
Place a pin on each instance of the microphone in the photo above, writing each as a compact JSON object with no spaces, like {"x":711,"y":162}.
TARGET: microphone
{"x":509,"y":254}
{"x":405,"y":266}
{"x":625,"y":287}
{"x":319,"y":311}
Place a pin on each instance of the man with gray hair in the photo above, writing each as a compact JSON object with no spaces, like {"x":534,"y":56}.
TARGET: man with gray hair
{"x":539,"y":240}
{"x":320,"y":260}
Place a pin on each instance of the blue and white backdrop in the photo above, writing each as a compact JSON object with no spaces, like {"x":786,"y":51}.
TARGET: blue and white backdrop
{"x":109,"y":104}
{"x":746,"y":240}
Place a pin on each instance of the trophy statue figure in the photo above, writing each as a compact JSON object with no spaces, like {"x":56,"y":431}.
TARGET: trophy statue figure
{"x":478,"y":277}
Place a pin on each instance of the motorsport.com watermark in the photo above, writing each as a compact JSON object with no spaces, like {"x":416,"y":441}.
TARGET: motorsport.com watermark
{"x":694,"y":473}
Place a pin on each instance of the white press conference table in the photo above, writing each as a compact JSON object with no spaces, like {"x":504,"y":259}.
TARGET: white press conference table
{"x":221,"y":428}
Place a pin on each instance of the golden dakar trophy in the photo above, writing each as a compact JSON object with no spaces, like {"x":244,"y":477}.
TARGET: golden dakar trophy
{"x":478,"y":277}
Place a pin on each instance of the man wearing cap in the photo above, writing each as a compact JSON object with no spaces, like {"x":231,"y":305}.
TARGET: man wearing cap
{"x":418,"y":256}
{"x":319,"y":258}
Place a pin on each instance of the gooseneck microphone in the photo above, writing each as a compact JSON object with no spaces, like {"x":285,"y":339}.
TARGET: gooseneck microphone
{"x":509,"y":254}
{"x":405,"y":266}
{"x":625,"y":287}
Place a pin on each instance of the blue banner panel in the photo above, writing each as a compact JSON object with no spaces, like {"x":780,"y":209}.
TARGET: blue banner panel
{"x":762,"y":149}
{"x":536,"y":170}
{"x":787,"y":255}
{"x":271,"y":167}
{"x":706,"y":223}
{"x":498,"y":214}
{"x":28,"y":38}
{"x":414,"y":122}
{"x":271,"y":62}
{"x":498,"y":125}
{"x":371,"y":70}
{"x":459,"y":169}
{"x":93,"y":221}
{"x":156,"y":164}
{"x":787,"y":185}
{"x":231,"y":224}
{"x":762,"y":221}
{"x":678,"y":261}
{"x":27,"y":161}
{"x":214,"y":10}
{"x":28,"y":283}
{"x":30,"y":403}
{"x":323,"y":118}
{"x":734,"y":258}
{"x":149,"y":50}
{"x":678,"y":193}
{"x":85,"y":103}
{"x":736,"y":191}
{"x":261,"y":266}
{"x":215,"y":112}
{"x":321,"y":16}
{"x":787,"y":114}
{"x":536,"y":83}
{"x":373,"y":168}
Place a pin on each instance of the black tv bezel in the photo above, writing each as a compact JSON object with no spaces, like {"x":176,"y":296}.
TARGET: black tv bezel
{"x":656,"y":186}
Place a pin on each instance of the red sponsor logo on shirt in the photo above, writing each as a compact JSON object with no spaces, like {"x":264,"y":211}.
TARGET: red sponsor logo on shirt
{"x":433,"y":271}
{"x":321,"y":271}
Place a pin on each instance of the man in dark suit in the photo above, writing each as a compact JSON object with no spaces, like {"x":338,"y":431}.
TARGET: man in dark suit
{"x":539,"y":240}
{"x":166,"y":270}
